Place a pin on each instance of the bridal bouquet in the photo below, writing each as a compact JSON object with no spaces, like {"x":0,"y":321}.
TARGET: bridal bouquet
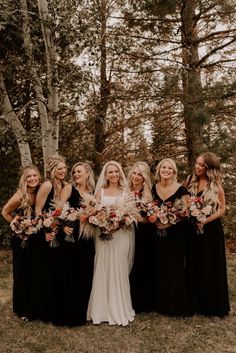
{"x":24,"y":227}
{"x":199,"y":210}
{"x":68,"y":217}
{"x":109,"y":218}
{"x":51,"y":223}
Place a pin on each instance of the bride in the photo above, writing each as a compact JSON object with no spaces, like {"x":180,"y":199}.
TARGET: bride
{"x":110,"y":299}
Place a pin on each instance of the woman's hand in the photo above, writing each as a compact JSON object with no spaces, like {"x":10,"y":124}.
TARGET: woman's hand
{"x":163,"y":226}
{"x":68,"y":230}
{"x":200,"y":225}
{"x":50,"y":236}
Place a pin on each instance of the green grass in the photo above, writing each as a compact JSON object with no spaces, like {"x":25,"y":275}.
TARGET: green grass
{"x":148,"y":333}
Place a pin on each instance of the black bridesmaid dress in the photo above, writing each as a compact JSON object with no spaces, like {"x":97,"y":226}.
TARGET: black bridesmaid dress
{"x":46,"y":295}
{"x":76,"y":274}
{"x":171,"y":289}
{"x":209,"y":279}
{"x":141,"y":276}
{"x":22,"y":274}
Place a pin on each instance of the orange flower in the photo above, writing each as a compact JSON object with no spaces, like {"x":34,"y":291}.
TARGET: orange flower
{"x":152,"y":218}
{"x":83,"y":218}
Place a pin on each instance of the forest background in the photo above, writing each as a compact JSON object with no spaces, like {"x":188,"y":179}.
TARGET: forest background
{"x":127,"y":80}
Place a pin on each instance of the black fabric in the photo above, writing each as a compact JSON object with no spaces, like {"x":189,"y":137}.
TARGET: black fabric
{"x":171,"y":290}
{"x":209,"y":276}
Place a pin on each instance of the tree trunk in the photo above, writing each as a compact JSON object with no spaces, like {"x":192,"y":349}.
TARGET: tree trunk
{"x":194,"y":108}
{"x":47,"y":106}
{"x":102,"y":106}
{"x":52,"y":74}
{"x":19,"y":132}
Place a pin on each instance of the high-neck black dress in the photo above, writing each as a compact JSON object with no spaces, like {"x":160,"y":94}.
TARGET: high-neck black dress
{"x":170,"y":271}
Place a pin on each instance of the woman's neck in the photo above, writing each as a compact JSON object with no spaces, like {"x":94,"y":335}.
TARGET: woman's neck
{"x":166,"y":182}
{"x":137,"y":187}
{"x":31,"y":190}
{"x":82,"y":188}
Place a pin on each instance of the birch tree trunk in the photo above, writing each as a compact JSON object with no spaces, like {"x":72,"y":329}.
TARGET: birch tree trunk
{"x":18,"y":130}
{"x":47,"y":106}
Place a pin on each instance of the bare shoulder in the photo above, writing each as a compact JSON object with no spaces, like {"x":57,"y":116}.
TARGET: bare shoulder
{"x":46,"y":186}
{"x":67,"y":187}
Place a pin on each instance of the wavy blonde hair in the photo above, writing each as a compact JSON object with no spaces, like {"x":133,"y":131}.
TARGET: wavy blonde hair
{"x":214,"y":177}
{"x":51,"y":165}
{"x":23,"y":188}
{"x":102,"y":181}
{"x":145,"y":172}
{"x":90,"y":183}
{"x":173,"y":164}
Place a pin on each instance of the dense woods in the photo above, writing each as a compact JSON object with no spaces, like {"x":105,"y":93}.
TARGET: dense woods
{"x":127,"y":80}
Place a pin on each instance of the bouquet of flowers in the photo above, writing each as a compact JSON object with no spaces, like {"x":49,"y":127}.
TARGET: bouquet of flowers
{"x":169,"y":213}
{"x":24,"y":227}
{"x":147,"y":210}
{"x":51,"y":224}
{"x":68,"y":217}
{"x":109,"y":218}
{"x":199,"y":210}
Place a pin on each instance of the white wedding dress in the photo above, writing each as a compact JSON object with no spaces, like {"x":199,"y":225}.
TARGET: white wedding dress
{"x":110,"y":299}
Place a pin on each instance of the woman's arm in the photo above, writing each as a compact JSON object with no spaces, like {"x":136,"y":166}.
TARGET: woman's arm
{"x":11,"y":206}
{"x":65,"y":193}
{"x":41,"y":197}
{"x":64,"y":196}
{"x":98,"y":196}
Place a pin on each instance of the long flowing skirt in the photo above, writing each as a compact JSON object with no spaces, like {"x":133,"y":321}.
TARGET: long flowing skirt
{"x":110,"y":299}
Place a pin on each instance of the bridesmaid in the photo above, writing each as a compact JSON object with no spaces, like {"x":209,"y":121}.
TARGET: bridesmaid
{"x":141,"y":277}
{"x":210,"y":278}
{"x":47,"y":260}
{"x":22,"y":203}
{"x":110,"y":299}
{"x":172,"y":295}
{"x":78,"y":256}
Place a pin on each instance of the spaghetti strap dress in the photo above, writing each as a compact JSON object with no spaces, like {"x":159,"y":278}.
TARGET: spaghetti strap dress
{"x":46,"y":286}
{"x":22,"y":257}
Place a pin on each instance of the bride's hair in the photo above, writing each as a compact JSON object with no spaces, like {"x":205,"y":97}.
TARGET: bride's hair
{"x":90,"y":182}
{"x":173,"y":164}
{"x":145,"y":172}
{"x":102,"y":180}
{"x":22,"y":187}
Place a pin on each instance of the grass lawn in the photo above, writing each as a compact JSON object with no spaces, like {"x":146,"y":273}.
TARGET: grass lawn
{"x":148,"y":333}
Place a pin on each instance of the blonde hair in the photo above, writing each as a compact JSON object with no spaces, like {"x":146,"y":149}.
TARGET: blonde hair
{"x":145,"y":171}
{"x":90,"y":182}
{"x":173,"y":164}
{"x":102,"y":181}
{"x":214,"y":177}
{"x":51,"y":164}
{"x":23,"y":188}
